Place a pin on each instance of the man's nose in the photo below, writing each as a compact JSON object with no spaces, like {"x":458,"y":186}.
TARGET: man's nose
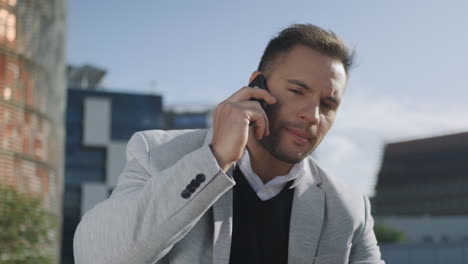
{"x":310,"y":113}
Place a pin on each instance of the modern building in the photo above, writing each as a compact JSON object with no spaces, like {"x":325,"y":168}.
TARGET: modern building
{"x":193,"y":117}
{"x":424,"y":177}
{"x":428,"y":229}
{"x":99,"y":124}
{"x":424,"y":253}
{"x":422,"y":191}
{"x":32,"y":101}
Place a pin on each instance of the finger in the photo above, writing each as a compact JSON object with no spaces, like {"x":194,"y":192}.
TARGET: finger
{"x":248,"y":93}
{"x":259,"y":127}
{"x":256,"y":112}
{"x":257,"y":118}
{"x":216,"y":117}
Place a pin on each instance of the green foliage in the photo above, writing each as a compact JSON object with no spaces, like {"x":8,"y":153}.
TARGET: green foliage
{"x":386,"y":234}
{"x":25,"y":228}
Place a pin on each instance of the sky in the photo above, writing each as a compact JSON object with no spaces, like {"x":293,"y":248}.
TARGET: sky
{"x":410,"y":79}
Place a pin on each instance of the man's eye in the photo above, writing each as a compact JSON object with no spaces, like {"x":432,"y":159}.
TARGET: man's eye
{"x":328,"y":106}
{"x":295,"y":91}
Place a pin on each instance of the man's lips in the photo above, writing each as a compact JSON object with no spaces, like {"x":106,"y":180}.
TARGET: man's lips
{"x":299,"y":134}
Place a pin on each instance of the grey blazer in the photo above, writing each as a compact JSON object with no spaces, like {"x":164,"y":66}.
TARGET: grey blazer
{"x":147,"y":219}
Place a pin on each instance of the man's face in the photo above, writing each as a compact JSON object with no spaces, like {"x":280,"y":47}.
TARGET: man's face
{"x":308,"y":87}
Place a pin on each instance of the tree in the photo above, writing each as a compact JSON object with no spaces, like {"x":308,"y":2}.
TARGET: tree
{"x":387,"y":234}
{"x":26,"y":228}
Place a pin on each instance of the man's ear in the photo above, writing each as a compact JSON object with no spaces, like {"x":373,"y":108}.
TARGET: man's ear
{"x":254,"y":74}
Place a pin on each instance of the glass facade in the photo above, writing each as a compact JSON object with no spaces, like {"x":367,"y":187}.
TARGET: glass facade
{"x":189,"y":120}
{"x":129,"y":113}
{"x":32,"y":100}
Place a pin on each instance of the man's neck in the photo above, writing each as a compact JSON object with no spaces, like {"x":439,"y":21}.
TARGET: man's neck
{"x":265,"y":165}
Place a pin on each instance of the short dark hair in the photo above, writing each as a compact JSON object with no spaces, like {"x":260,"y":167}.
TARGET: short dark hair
{"x":314,"y":37}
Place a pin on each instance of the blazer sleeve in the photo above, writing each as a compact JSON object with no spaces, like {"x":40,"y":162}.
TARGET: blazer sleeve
{"x":365,"y":249}
{"x":146,"y":214}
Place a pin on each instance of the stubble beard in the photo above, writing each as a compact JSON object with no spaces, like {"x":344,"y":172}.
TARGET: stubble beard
{"x":272,"y":142}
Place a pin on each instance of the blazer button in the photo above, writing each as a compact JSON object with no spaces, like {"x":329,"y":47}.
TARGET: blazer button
{"x":185,"y":194}
{"x":191,"y":188}
{"x":194,"y":183}
{"x":200,"y":178}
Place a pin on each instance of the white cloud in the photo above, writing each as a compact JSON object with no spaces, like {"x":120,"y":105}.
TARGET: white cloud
{"x":353,"y":149}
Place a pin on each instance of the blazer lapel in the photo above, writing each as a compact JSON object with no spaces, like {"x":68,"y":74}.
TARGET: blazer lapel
{"x":307,"y":217}
{"x":222,"y":217}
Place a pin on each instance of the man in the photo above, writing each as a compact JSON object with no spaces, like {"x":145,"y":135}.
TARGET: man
{"x":246,"y":191}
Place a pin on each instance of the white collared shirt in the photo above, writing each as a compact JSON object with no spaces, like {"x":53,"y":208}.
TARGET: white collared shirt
{"x":266,"y":191}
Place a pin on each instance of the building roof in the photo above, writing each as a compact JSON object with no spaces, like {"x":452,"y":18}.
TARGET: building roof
{"x":425,"y":145}
{"x":86,"y":76}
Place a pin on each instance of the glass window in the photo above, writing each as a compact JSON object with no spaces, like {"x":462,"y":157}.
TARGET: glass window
{"x":11,"y":27}
{"x":72,"y":198}
{"x":190,"y":121}
{"x":7,"y":25}
{"x":427,"y":239}
{"x":3,"y":22}
{"x":76,"y":176}
{"x":445,"y":238}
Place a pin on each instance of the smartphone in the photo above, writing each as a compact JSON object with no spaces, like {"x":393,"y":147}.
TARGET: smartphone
{"x":260,"y":82}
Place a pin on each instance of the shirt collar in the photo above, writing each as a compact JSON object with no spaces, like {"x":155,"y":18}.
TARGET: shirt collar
{"x":296,"y":173}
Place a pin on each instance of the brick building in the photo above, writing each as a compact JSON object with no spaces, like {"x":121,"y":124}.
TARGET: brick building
{"x":32,"y":99}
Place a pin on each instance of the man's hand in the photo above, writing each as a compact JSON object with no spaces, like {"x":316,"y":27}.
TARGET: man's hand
{"x":231,"y":122}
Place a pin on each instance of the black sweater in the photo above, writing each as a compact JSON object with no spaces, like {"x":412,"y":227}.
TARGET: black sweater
{"x":260,"y":228}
